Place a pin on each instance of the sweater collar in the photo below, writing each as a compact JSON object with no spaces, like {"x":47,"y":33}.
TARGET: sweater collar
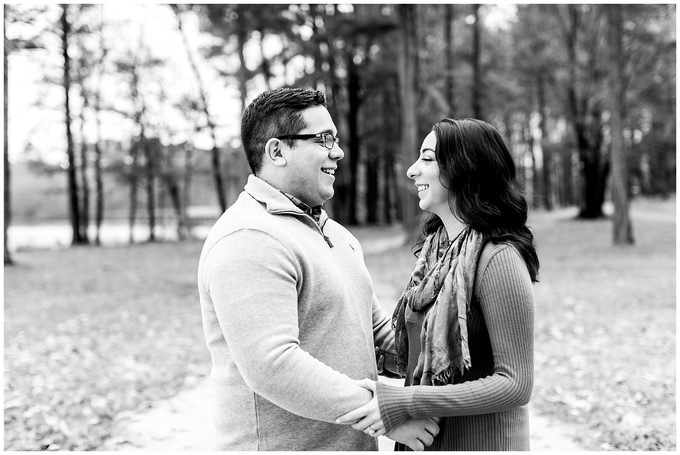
{"x":274,"y":200}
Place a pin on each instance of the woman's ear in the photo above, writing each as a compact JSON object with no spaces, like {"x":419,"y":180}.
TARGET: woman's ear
{"x":273,"y":151}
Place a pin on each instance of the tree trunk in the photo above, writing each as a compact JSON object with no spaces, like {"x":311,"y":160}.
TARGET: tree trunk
{"x":7,"y":187}
{"x":477,"y":66}
{"x":531,"y":187}
{"x":545,"y":150}
{"x":408,"y":86}
{"x":99,"y":185}
{"x":85,"y":186}
{"x":150,"y":153}
{"x":588,"y":134}
{"x":390,"y":192}
{"x":622,"y":226}
{"x":353,"y":84}
{"x":449,"y":60}
{"x":98,"y":177}
{"x":570,"y":190}
{"x":72,"y":180}
{"x":372,"y":194}
{"x":134,"y":173}
{"x":186,"y":187}
{"x":215,"y":152}
{"x":341,"y":204}
{"x":265,"y":66}
{"x":172,"y":188}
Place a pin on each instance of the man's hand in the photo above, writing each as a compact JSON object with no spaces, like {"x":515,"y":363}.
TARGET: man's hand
{"x":415,"y":433}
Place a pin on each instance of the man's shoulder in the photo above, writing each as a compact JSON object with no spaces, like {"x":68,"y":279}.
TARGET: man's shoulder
{"x":244,"y":216}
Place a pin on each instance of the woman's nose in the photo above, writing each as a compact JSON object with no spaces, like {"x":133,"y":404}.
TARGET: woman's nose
{"x":412,"y":171}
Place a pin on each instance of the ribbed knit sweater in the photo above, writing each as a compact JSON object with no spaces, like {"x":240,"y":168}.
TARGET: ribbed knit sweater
{"x":485,"y":409}
{"x":290,"y":321}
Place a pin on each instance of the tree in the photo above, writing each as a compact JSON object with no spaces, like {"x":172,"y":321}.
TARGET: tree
{"x":79,"y":237}
{"x":535,"y":61}
{"x":83,"y":72}
{"x":623,"y":229}
{"x":210,"y":122}
{"x":477,"y":81}
{"x":98,"y":171}
{"x":143,"y":156}
{"x":583,"y":24}
{"x":408,"y":89}
{"x":7,"y":201}
{"x":449,"y":16}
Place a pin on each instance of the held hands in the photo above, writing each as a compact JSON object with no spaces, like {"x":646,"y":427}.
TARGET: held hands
{"x":416,"y":433}
{"x":367,"y":417}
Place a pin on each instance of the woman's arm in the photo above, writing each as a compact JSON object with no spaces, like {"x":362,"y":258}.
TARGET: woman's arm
{"x":506,"y":298}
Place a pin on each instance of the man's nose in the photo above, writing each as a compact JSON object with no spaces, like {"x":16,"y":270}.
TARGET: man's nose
{"x":337,"y":153}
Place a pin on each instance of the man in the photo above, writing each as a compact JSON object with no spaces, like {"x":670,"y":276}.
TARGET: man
{"x":288,"y":307}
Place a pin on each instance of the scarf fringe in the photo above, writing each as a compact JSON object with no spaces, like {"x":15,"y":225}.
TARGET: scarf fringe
{"x":449,"y":374}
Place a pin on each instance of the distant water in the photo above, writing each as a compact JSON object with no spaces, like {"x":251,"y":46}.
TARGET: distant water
{"x":60,"y":235}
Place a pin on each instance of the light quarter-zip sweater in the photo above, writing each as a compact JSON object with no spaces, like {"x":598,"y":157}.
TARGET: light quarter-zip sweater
{"x":289,"y":321}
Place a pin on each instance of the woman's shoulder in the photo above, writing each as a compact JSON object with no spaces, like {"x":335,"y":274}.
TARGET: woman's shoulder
{"x":502,"y":251}
{"x":492,"y":249}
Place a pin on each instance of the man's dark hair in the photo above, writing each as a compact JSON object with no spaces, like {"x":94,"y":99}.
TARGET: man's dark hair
{"x":275,"y":113}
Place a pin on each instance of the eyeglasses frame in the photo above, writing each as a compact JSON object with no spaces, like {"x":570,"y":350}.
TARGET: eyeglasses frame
{"x":334,"y":141}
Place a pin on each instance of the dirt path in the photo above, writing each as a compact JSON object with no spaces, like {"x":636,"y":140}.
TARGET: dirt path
{"x":183,"y":423}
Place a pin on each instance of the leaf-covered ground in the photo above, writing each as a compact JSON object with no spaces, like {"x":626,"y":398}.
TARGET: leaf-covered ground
{"x":94,"y":333}
{"x":91,"y":333}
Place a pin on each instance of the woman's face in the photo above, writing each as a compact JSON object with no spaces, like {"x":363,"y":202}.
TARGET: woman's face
{"x":434,"y":197}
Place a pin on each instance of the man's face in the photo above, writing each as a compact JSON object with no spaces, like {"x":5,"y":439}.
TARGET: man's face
{"x":310,"y":165}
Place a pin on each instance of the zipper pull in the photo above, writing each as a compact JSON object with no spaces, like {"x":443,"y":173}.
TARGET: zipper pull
{"x":328,"y":241}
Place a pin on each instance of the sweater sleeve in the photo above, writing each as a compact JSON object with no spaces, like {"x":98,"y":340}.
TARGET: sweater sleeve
{"x":383,"y":336}
{"x":254,"y":294}
{"x":505,"y":294}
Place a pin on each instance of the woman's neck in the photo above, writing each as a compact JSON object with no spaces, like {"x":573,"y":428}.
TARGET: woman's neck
{"x":452,"y":225}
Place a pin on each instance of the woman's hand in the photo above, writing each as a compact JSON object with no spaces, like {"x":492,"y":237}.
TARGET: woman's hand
{"x":367,"y":417}
{"x":416,"y":433}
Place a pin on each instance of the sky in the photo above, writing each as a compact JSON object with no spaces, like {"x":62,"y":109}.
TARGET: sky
{"x":130,"y":24}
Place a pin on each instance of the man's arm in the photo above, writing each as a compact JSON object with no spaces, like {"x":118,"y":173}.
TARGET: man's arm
{"x":383,"y":335}
{"x":252,"y":279}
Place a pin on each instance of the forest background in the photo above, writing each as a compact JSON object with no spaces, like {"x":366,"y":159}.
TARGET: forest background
{"x":131,"y":119}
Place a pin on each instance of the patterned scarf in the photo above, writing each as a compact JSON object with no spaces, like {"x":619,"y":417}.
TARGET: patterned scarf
{"x":442,"y":281}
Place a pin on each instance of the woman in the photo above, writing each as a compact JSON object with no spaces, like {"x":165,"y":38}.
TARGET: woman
{"x":464,"y":324}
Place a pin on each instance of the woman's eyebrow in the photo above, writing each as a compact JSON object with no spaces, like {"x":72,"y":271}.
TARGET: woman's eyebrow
{"x":426,"y":150}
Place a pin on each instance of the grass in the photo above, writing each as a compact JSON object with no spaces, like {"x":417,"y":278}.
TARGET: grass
{"x":92,"y":334}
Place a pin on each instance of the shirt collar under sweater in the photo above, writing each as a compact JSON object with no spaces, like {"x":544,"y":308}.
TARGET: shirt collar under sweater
{"x":278,"y":202}
{"x":314,"y":212}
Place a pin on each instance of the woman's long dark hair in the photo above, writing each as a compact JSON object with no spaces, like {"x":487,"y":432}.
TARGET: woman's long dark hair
{"x":477,"y":168}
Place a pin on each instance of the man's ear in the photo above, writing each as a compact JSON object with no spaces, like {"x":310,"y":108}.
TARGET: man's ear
{"x":273,"y":151}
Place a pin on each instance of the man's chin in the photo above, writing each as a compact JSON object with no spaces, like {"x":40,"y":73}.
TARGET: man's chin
{"x":328,"y":195}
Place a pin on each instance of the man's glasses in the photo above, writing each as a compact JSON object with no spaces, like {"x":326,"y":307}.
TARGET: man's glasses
{"x":327,"y":139}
